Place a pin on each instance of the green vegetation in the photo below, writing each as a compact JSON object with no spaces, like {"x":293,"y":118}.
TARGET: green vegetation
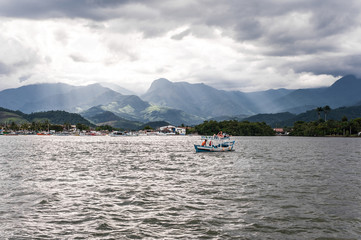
{"x":8,"y":116}
{"x":100,"y":117}
{"x":329,"y":128}
{"x":41,"y":121}
{"x":106,"y":128}
{"x":153,"y":125}
{"x":82,"y":127}
{"x":234,"y":128}
{"x":270,"y":119}
{"x":57,"y":117}
{"x":105,"y":116}
{"x":34,"y":126}
{"x":38,"y":126}
{"x":326,"y":113}
{"x":147,"y":128}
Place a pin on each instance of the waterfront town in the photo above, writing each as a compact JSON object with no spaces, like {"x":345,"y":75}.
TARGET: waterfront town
{"x":72,"y":130}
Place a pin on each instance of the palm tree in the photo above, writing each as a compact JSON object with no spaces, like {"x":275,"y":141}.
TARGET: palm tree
{"x":319,"y":110}
{"x":326,"y":109}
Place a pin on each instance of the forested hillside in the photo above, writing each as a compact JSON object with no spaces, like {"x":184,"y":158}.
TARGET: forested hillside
{"x":234,"y":128}
{"x":53,"y":117}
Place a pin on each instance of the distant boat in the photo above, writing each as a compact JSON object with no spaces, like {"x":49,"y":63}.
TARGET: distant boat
{"x":216,"y":143}
{"x":117,"y":134}
{"x":11,"y":133}
{"x":43,"y":134}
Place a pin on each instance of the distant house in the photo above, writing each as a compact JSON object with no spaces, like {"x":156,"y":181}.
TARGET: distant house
{"x":280,"y":131}
{"x":181,"y":130}
{"x":173,"y":130}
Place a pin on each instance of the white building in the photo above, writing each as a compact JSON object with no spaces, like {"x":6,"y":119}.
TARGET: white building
{"x":172,"y":130}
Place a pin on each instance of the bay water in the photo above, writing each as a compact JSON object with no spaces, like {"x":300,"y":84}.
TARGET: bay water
{"x":156,"y":187}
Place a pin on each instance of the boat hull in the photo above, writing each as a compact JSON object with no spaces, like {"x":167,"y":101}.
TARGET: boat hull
{"x":200,"y":148}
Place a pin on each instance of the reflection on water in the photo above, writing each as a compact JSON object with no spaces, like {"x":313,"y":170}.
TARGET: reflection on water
{"x":158,"y":187}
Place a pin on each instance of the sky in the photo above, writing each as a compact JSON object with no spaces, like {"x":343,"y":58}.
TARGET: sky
{"x":231,"y":44}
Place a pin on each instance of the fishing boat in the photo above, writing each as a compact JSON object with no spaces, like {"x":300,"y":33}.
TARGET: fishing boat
{"x":215,"y":143}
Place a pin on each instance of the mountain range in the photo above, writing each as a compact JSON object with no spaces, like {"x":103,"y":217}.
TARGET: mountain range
{"x":208,"y":102}
{"x":205,"y":101}
{"x":92,"y":99}
{"x":175,"y":102}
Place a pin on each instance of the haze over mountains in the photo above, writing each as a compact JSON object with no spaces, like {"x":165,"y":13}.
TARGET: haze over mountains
{"x":208,"y":102}
{"x":175,"y":102}
{"x":89,"y":99}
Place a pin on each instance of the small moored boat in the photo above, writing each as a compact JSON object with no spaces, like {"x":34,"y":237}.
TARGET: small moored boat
{"x":117,"y":134}
{"x":216,"y":143}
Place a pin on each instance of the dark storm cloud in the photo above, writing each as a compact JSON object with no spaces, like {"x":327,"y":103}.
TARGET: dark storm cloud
{"x":274,"y":24}
{"x":279,"y":28}
{"x":336,"y":66}
{"x":38,"y":9}
{"x":249,"y":20}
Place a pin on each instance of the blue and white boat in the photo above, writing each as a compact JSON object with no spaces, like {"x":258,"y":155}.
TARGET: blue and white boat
{"x":216,"y":143}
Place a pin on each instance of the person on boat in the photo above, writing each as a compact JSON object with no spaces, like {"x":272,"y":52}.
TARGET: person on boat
{"x":204,"y":142}
{"x":210,"y":143}
{"x":220,"y":134}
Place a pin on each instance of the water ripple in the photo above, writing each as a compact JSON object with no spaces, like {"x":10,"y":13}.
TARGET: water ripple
{"x":159,"y":188}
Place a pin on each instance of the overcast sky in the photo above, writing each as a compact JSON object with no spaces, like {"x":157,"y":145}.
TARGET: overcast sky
{"x":232,"y":44}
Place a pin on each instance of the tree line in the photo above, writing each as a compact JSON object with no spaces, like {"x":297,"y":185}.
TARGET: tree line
{"x":324,"y":127}
{"x":39,"y":126}
{"x":344,"y":127}
{"x":233,"y":127}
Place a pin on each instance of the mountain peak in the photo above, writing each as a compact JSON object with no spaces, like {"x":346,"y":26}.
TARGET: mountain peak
{"x":348,"y":80}
{"x":160,"y":83}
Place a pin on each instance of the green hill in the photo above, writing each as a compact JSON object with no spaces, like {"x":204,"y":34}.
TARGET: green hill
{"x":101,"y":117}
{"x":154,"y":125}
{"x":105,"y":116}
{"x":335,"y":114}
{"x":9,"y":116}
{"x":288,"y":119}
{"x":57,"y":117}
{"x":271,"y":119}
{"x":54,"y":117}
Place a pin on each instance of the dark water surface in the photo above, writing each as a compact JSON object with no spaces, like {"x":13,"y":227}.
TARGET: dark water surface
{"x":159,"y":188}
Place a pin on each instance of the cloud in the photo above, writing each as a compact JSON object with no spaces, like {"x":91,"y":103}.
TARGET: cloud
{"x":335,"y":66}
{"x":242,"y":44}
{"x":181,"y":35}
{"x":78,"y":58}
{"x":61,"y":36}
{"x":24,"y":78}
{"x":36,"y":9}
{"x":4,"y":69}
